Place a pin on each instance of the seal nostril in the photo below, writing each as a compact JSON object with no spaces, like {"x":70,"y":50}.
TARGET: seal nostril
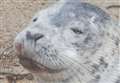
{"x":38,"y":36}
{"x":35,"y":36}
{"x":28,"y":35}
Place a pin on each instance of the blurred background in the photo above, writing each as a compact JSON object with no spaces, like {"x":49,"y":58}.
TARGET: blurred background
{"x":14,"y":16}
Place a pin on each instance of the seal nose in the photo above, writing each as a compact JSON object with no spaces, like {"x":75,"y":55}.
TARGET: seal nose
{"x":34,"y":37}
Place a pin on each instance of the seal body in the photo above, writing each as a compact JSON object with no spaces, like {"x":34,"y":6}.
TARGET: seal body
{"x":71,"y":42}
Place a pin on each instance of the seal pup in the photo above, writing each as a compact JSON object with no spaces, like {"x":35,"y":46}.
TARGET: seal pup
{"x":71,"y":42}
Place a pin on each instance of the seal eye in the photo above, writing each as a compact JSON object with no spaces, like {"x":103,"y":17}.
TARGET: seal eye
{"x":35,"y":19}
{"x":77,"y":31}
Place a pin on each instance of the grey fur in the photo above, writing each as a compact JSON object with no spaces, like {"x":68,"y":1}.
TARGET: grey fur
{"x":71,"y":42}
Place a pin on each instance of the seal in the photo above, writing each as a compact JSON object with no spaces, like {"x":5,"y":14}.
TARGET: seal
{"x":71,"y":42}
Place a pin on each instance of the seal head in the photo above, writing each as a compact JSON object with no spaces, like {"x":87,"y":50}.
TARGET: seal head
{"x":63,"y":44}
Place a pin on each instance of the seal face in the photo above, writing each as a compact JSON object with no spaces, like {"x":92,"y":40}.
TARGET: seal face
{"x":70,"y":42}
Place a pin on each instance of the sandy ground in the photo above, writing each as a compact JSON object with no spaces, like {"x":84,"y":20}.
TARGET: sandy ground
{"x":14,"y":16}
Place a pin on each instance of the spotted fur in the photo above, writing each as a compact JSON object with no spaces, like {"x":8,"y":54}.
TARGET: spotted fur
{"x":71,"y":42}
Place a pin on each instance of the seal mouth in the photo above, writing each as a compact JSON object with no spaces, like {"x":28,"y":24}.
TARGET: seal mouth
{"x":36,"y":67}
{"x":18,"y":48}
{"x":31,"y":64}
